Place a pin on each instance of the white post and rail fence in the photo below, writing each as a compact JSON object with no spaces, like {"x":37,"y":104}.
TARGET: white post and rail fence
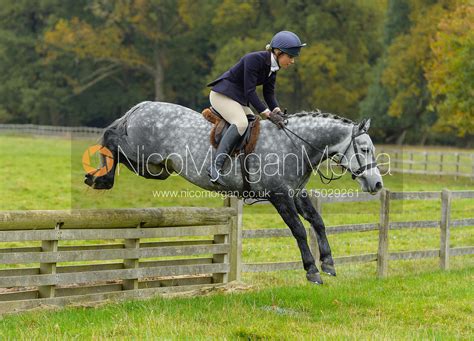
{"x":62,"y":257}
{"x":441,"y":163}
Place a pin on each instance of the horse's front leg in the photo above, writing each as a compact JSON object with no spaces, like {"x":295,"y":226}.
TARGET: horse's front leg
{"x":307,"y":210}
{"x":285,"y":206}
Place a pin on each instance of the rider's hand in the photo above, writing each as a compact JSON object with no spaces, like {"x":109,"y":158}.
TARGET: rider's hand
{"x":276,"y":117}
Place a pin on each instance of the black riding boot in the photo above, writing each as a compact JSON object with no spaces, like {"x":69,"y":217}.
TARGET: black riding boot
{"x":226,"y":145}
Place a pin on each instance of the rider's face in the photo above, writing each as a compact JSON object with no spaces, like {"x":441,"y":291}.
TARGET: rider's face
{"x":285,"y":60}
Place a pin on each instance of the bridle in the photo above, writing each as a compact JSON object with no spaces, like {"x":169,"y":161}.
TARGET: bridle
{"x":355,"y":133}
{"x":362,"y":168}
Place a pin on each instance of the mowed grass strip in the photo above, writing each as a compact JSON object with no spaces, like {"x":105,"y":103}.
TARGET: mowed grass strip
{"x":435,"y":305}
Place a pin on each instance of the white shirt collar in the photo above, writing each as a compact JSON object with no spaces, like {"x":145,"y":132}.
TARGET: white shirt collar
{"x":274,"y":64}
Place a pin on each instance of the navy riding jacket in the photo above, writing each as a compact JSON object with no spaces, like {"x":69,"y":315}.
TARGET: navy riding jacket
{"x":240,"y":81}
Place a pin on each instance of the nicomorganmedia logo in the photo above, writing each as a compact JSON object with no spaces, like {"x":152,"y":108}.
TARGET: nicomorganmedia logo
{"x":86,"y":160}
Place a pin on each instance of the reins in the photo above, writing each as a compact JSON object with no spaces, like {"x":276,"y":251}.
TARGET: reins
{"x":321,"y":175}
{"x":355,"y":173}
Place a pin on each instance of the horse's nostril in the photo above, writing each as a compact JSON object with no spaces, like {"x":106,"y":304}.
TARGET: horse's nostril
{"x":378,"y":186}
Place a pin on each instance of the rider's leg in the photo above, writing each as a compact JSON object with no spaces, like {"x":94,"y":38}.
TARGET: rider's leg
{"x":232,"y":111}
{"x":235,"y":114}
{"x":226,"y":145}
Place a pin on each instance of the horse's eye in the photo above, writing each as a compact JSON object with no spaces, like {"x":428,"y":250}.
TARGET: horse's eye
{"x":365,"y":150}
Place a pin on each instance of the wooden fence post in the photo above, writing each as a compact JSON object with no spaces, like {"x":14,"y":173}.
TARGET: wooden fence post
{"x":444,"y":240}
{"x":313,"y":238}
{"x":48,"y":291}
{"x":426,"y":161}
{"x":472,"y":167}
{"x":457,"y":166}
{"x":441,"y":160}
{"x":382,"y":254}
{"x":132,"y":263}
{"x":235,"y":272}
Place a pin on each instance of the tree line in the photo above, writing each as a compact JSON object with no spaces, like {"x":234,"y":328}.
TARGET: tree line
{"x":407,"y":64}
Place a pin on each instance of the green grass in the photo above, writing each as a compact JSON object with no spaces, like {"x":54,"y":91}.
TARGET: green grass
{"x":400,"y":307}
{"x":416,"y":301}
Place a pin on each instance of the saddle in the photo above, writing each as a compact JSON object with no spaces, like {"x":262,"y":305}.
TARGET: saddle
{"x":247,"y":142}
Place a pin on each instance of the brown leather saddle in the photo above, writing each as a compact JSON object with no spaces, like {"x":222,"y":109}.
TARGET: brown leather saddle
{"x":245,"y":146}
{"x":248,"y":141}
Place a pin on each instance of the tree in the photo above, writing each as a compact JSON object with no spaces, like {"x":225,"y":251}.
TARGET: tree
{"x":375,"y":105}
{"x":29,"y":90}
{"x":450,"y":72}
{"x":404,"y":75}
{"x":134,"y":35}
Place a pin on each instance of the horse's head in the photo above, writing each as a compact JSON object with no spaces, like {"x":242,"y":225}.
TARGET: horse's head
{"x":359,"y":158}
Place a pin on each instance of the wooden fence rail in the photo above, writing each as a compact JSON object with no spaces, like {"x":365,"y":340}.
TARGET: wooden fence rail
{"x":50,"y":130}
{"x":383,"y":255}
{"x":59,"y":257}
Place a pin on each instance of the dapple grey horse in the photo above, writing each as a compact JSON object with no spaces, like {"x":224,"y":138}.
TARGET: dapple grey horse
{"x":156,"y":139}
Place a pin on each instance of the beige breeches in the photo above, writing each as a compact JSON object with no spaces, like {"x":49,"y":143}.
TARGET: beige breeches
{"x":232,"y":111}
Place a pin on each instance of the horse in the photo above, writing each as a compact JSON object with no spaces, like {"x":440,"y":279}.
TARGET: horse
{"x":157,"y":139}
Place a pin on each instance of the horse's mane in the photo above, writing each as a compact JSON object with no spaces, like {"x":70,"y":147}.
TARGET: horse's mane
{"x":319,"y":113}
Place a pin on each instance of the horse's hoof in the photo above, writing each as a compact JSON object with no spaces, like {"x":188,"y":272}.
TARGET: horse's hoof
{"x":98,"y":182}
{"x":314,"y":277}
{"x":89,"y":181}
{"x":329,"y":269}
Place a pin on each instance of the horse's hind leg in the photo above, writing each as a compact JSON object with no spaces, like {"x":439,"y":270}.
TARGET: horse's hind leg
{"x":105,"y":181}
{"x":285,"y":206}
{"x":307,"y":210}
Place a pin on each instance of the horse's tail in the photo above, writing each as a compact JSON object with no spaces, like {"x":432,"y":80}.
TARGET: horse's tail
{"x":114,"y":134}
{"x":119,"y":126}
{"x":113,"y":138}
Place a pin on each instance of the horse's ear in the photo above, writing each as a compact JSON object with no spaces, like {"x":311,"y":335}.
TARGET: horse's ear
{"x":364,"y":125}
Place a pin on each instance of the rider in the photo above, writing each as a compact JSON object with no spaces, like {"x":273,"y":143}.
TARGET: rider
{"x":232,"y":92}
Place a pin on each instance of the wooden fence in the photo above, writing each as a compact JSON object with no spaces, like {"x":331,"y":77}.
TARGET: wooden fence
{"x":457,"y":164}
{"x":384,"y":225}
{"x":60,"y":257}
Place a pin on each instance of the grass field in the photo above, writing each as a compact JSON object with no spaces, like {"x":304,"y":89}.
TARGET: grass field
{"x":435,"y":305}
{"x":416,"y":301}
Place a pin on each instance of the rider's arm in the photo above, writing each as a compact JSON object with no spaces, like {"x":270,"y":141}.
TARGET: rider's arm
{"x":251,"y":70}
{"x":269,"y":92}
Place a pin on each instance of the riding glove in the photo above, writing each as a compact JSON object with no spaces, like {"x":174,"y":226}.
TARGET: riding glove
{"x":276,"y":117}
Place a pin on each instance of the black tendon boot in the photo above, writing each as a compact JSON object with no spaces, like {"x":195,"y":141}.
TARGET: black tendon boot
{"x":226,"y":145}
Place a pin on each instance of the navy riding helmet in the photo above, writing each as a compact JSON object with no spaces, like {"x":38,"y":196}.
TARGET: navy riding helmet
{"x":287,"y":42}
